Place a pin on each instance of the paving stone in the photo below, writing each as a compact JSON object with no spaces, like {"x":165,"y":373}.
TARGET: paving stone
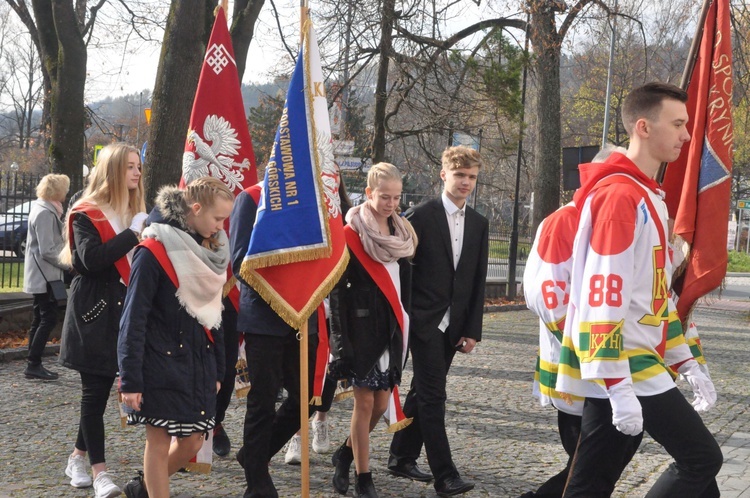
{"x":500,"y":437}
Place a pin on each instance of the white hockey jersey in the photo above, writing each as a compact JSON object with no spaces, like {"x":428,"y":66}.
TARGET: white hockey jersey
{"x":546,"y":282}
{"x":621,"y":322}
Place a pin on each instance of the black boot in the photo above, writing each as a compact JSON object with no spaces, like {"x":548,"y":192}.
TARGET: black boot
{"x":342,"y":459}
{"x":222,"y":446}
{"x":136,"y":487}
{"x":363,"y":486}
{"x":37,"y":371}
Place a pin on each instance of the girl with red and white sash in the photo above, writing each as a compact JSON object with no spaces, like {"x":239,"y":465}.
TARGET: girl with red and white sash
{"x":102,"y":231}
{"x":369,"y":323}
{"x":171,"y":346}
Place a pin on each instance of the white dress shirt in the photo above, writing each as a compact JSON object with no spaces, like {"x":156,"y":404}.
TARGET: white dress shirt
{"x":456,"y":222}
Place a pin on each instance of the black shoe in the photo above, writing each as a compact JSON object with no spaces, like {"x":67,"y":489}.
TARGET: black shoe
{"x":342,"y":459}
{"x":136,"y":488}
{"x":39,"y":372}
{"x":409,"y":470}
{"x":363,"y":486}
{"x":222,"y":445}
{"x":453,"y":486}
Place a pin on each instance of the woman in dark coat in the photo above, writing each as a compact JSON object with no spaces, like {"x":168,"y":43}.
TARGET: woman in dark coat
{"x":98,"y":246}
{"x":171,"y":349}
{"x":369,"y":324}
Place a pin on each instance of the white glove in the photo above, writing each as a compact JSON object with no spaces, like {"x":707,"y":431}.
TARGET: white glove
{"x":703,"y":388}
{"x":627,"y":415}
{"x":138,"y":220}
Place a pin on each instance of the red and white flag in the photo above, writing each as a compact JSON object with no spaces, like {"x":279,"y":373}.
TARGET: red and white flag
{"x":698,"y":184}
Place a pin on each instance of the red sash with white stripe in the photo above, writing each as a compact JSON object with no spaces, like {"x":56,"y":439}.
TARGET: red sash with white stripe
{"x":379,"y":274}
{"x":106,"y":232}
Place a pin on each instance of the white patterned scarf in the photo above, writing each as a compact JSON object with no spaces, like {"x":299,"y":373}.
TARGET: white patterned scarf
{"x":201,"y":272}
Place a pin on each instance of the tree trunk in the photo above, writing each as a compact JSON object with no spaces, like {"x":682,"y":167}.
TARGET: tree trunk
{"x":46,"y":41}
{"x":184,"y":46}
{"x":68,"y":114}
{"x":546,"y":44}
{"x":381,"y":88}
{"x":245,"y":15}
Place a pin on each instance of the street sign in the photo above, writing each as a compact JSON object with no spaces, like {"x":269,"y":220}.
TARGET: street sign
{"x":743,"y":204}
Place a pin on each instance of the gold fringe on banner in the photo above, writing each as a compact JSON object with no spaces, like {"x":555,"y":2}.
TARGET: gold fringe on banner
{"x":403,"y":424}
{"x":294,"y":318}
{"x":343,"y":391}
{"x":283,"y":258}
{"x":198,"y":468}
{"x":316,"y":401}
{"x":228,"y":286}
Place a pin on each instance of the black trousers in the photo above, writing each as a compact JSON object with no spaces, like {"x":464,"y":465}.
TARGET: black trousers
{"x":569,"y":427}
{"x":231,"y":348}
{"x":45,"y":318}
{"x":272,"y":361}
{"x":425,"y":403}
{"x":604,"y":452}
{"x":95,"y":391}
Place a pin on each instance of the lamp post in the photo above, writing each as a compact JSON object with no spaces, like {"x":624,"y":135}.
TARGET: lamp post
{"x":14,"y":170}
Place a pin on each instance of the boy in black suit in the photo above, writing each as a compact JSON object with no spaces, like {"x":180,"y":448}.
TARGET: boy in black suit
{"x":449,"y":273}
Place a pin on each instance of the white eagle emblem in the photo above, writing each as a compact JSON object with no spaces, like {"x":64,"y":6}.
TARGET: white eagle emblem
{"x":216,"y":159}
{"x":328,"y":173}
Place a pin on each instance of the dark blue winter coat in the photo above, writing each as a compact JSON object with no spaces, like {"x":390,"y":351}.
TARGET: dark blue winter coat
{"x":163,"y":352}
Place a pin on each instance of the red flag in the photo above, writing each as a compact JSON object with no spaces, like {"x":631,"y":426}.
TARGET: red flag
{"x":698,"y":184}
{"x":218,"y":141}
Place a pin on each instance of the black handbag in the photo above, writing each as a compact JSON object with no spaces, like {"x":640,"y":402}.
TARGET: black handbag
{"x":55,"y":288}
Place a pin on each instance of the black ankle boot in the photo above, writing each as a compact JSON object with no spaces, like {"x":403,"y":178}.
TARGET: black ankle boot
{"x":342,"y":459}
{"x":363,"y":486}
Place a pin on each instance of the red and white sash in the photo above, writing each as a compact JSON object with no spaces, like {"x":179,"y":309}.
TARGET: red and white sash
{"x":394,"y":415}
{"x":106,"y":232}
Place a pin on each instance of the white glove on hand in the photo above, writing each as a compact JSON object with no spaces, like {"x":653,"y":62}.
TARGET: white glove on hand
{"x":627,"y":415}
{"x":138,"y":220}
{"x":703,"y":388}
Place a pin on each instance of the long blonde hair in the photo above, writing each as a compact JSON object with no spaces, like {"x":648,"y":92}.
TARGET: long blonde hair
{"x":107,"y":188}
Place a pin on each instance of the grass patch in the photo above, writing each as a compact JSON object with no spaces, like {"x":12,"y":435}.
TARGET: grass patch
{"x":11,"y":276}
{"x":499,"y":249}
{"x":739,"y":262}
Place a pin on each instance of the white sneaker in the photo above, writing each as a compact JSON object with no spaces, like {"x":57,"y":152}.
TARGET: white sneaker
{"x":104,"y":487}
{"x":320,"y":443}
{"x":76,"y":470}
{"x":294,"y":451}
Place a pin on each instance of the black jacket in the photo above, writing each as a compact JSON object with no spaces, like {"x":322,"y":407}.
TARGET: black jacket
{"x":92,"y":317}
{"x":436,"y":285}
{"x":255,"y":315}
{"x":363,"y":324}
{"x":163,"y":352}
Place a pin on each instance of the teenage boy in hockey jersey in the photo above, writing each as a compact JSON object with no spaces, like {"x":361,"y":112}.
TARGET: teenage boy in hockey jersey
{"x":546,"y":284}
{"x":624,"y":331}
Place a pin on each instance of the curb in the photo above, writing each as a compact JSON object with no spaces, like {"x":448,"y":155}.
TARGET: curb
{"x":495,"y":308}
{"x":12,"y":354}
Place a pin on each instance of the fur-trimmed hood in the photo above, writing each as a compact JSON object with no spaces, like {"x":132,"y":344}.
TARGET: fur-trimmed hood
{"x":170,"y":208}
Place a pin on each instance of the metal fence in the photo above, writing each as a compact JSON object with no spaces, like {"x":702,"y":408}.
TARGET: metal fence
{"x":17,"y":191}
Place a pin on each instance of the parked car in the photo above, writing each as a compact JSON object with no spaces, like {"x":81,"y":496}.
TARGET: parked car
{"x":14,"y":224}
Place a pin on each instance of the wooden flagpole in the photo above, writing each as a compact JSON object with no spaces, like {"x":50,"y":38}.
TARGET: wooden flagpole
{"x":687,"y":73}
{"x":304,"y":395}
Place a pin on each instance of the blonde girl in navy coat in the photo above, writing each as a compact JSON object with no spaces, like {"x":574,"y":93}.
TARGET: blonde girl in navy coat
{"x":170,"y":349}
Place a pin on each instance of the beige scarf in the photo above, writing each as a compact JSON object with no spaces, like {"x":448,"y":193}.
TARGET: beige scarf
{"x":382,"y":248}
{"x":201,"y":272}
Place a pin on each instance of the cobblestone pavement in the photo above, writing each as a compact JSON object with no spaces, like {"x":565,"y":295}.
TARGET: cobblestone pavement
{"x":501,"y":439}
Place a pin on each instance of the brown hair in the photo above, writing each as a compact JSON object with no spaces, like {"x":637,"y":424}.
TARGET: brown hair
{"x":645,"y":102}
{"x":461,"y":157}
{"x":107,"y":188}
